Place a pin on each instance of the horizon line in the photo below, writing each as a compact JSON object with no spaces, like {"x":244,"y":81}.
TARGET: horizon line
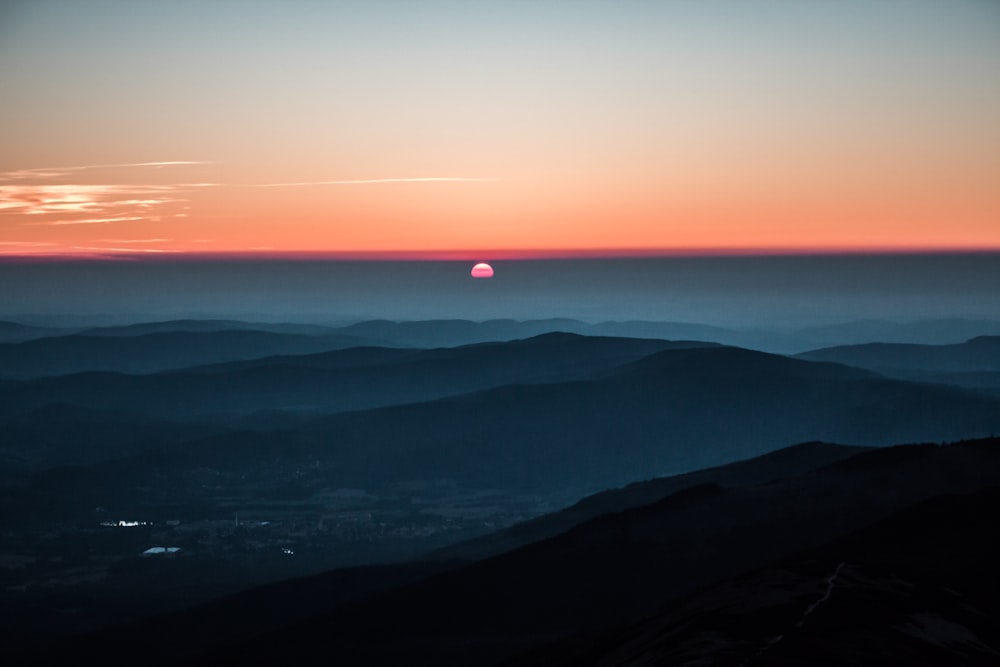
{"x":475,"y":255}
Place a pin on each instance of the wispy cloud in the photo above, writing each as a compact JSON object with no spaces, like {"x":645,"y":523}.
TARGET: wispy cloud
{"x":63,"y":199}
{"x":366,"y":181}
{"x":85,"y":221}
{"x":129,"y":194}
{"x":116,"y":249}
{"x":59,"y":172}
{"x":133,"y":240}
{"x":44,"y":198}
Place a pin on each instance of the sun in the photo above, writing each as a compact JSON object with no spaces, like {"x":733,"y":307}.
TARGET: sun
{"x":482,"y":270}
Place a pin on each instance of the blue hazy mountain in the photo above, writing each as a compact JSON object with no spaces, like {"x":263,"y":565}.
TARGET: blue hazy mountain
{"x":936,"y":331}
{"x":334,"y":381}
{"x":978,"y":354}
{"x":454,"y":332}
{"x":15,"y":332}
{"x":154,"y":351}
{"x":208,"y":325}
{"x":972,"y":363}
{"x":672,"y":411}
{"x":59,"y":434}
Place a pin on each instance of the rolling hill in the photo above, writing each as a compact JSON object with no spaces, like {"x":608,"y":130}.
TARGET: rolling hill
{"x":977,"y":354}
{"x":333,"y":381}
{"x":672,"y":411}
{"x":974,"y":364}
{"x":151,"y":352}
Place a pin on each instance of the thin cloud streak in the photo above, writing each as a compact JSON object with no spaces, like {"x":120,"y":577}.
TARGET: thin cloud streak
{"x":57,"y":172}
{"x":366,"y":181}
{"x":85,"y":221}
{"x":127,"y":250}
{"x":53,"y":197}
{"x":77,"y":198}
{"x":133,"y":240}
{"x":42,"y":197}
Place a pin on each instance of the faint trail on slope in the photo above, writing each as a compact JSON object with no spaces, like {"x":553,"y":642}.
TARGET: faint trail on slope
{"x":831,"y":583}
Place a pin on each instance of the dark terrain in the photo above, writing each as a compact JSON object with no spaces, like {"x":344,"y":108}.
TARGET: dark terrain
{"x":426,"y":479}
{"x":633,"y":581}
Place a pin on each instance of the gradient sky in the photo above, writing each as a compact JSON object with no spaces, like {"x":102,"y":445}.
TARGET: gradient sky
{"x":494,"y":129}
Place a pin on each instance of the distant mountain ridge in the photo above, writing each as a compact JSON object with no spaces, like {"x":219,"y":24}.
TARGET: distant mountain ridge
{"x":981,"y":353}
{"x":974,"y":363}
{"x":452,"y":332}
{"x":332,"y":381}
{"x":675,"y":410}
{"x":209,"y":325}
{"x":14,"y":332}
{"x":151,"y":352}
{"x":938,"y":331}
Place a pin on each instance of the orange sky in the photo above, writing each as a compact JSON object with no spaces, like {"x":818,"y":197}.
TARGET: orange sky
{"x":589,"y":127}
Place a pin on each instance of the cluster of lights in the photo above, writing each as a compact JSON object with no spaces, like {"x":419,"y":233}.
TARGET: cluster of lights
{"x":124,"y":524}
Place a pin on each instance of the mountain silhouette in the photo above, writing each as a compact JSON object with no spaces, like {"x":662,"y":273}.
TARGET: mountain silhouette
{"x":917,"y":588}
{"x":785,"y":462}
{"x":154,"y":351}
{"x":15,"y":332}
{"x":673,"y":411}
{"x":333,"y":381}
{"x":977,"y":354}
{"x":207,"y":326}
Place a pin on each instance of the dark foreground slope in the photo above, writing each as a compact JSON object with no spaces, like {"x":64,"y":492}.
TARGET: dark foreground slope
{"x":786,"y":462}
{"x":919,"y":588}
{"x":616,"y":578}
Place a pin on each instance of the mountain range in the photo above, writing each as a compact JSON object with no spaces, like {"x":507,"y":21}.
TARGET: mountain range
{"x":672,"y":411}
{"x":974,"y":363}
{"x":785,"y":339}
{"x":456,"y":492}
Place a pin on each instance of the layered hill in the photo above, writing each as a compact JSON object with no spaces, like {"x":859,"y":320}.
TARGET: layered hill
{"x":358,"y":454}
{"x":672,"y":411}
{"x":786,"y":462}
{"x":332,"y":381}
{"x":15,"y":332}
{"x":974,"y":363}
{"x":209,"y":325}
{"x":151,"y":352}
